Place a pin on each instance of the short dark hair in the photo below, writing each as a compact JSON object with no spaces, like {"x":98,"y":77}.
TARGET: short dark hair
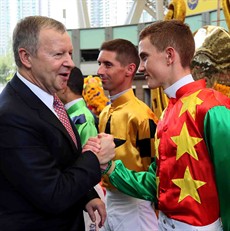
{"x":76,"y":81}
{"x":126,"y":51}
{"x":174,"y":33}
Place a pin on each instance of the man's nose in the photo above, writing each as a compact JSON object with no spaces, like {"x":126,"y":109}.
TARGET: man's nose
{"x":141,"y":67}
{"x":69,"y":61}
{"x":100,"y":70}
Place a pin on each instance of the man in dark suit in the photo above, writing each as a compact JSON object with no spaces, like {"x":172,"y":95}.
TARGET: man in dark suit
{"x":45,"y":180}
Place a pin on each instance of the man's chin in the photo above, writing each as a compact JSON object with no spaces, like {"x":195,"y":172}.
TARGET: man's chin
{"x":63,"y":85}
{"x":152,"y":85}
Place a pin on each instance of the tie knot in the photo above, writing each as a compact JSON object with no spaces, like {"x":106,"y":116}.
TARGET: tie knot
{"x":62,"y":115}
{"x":57,"y":102}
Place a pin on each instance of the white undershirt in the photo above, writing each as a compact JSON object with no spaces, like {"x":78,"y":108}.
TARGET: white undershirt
{"x":171,"y":91}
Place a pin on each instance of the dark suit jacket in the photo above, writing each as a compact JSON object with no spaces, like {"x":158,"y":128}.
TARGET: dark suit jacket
{"x":45,"y":181}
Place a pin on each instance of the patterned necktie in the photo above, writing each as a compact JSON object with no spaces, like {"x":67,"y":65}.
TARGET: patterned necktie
{"x":62,"y":115}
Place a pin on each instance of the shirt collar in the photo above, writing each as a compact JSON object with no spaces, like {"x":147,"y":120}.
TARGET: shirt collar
{"x":45,"y":97}
{"x":71,"y":103}
{"x":113,"y":97}
{"x":171,"y":91}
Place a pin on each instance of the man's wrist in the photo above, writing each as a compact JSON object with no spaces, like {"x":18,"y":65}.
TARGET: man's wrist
{"x":105,"y":168}
{"x":111,"y":168}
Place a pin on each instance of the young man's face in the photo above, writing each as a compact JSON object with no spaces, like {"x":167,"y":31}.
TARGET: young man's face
{"x":153,"y":64}
{"x":112,"y":72}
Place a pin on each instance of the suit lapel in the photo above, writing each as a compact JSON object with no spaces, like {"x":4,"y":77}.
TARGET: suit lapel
{"x":45,"y":113}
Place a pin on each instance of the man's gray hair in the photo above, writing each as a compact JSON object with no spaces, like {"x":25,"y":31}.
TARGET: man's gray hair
{"x":26,"y":34}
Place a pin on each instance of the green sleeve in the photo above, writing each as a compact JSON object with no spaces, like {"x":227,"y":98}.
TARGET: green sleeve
{"x":141,"y":185}
{"x":86,"y":131}
{"x":217,"y":135}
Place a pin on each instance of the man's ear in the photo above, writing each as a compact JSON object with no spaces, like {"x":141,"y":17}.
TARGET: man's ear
{"x":131,"y":69}
{"x":24,"y":57}
{"x":170,"y":55}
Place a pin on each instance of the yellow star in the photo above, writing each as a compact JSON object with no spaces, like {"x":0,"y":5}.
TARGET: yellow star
{"x":188,"y":186}
{"x":157,"y":142}
{"x":185,"y":143}
{"x":189,"y":104}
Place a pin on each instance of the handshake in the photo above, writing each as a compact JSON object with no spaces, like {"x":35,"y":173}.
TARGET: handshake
{"x":103,"y":147}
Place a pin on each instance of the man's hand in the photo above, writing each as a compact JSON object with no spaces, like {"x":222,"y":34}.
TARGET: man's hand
{"x":93,"y":144}
{"x":102,"y":146}
{"x":107,"y":151}
{"x":93,"y":205}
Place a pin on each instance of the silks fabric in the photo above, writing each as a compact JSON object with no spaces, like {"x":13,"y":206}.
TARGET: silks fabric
{"x":217,"y":135}
{"x":193,"y":155}
{"x":141,"y":185}
{"x":83,"y":119}
{"x":132,"y":122}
